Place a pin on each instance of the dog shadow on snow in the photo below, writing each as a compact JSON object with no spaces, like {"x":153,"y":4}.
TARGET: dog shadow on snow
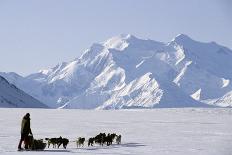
{"x":113,"y":146}
{"x":56,"y":150}
{"x":124,"y":145}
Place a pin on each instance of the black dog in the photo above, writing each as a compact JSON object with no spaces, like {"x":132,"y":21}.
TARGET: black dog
{"x":110,"y":138}
{"x":80,"y":142}
{"x":90,"y":141}
{"x":63,"y":141}
{"x":53,"y":141}
{"x":100,"y":139}
{"x":56,"y":142}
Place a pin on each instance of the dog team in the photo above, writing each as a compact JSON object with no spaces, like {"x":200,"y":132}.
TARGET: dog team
{"x":100,"y":139}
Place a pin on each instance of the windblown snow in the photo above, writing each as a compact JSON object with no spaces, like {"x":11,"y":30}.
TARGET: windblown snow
{"x":128,"y":72}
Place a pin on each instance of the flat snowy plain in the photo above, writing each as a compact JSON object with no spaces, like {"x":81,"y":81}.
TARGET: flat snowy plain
{"x":191,"y":131}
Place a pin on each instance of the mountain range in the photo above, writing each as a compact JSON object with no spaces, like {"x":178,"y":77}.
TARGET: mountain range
{"x":127,"y":72}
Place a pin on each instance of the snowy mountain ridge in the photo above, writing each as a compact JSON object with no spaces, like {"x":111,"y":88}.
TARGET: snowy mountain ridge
{"x":11,"y":96}
{"x":128,"y":72}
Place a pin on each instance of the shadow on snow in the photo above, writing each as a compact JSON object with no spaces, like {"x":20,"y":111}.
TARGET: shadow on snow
{"x":112,"y":146}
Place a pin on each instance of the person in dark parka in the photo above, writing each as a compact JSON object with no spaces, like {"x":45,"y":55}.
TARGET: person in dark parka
{"x":25,"y":130}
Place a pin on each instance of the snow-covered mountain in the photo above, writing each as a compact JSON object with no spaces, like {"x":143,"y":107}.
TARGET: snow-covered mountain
{"x":11,"y":96}
{"x":128,"y":72}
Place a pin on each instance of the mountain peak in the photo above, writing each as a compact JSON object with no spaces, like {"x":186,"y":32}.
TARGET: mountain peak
{"x":119,"y":42}
{"x":125,"y":36}
{"x":181,"y":38}
{"x":122,"y":37}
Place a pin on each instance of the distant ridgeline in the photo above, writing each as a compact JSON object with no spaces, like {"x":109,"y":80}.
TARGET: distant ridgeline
{"x":12,"y":97}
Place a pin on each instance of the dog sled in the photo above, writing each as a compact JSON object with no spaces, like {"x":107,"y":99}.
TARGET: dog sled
{"x":31,"y":144}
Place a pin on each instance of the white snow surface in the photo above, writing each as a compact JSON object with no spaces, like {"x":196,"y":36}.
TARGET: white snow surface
{"x":128,"y":72}
{"x":181,"y":131}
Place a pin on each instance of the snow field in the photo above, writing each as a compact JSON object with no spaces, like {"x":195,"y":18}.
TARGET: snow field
{"x":182,"y":131}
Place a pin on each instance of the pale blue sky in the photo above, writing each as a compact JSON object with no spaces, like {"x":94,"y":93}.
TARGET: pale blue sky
{"x":37,"y":34}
